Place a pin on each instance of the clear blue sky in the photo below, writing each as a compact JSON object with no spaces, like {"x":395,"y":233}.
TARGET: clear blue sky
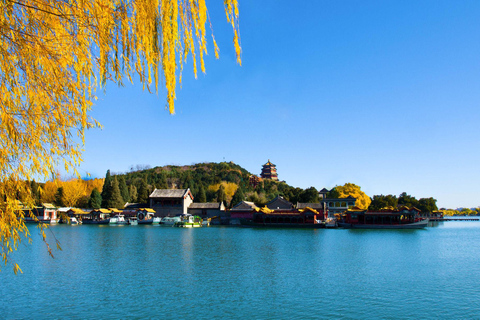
{"x":383,"y":94}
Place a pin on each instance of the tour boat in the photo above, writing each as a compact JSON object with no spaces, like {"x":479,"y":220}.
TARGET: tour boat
{"x":145,"y":221}
{"x":302,"y":218}
{"x":145,"y":216}
{"x":95,"y":221}
{"x":189,"y":221}
{"x":387,"y":218}
{"x":97,"y":216}
{"x":119,"y":219}
{"x":169,"y":221}
{"x":73,"y":221}
{"x":132,"y":221}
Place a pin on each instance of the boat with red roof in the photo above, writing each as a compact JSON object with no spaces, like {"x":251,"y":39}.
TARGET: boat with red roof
{"x":387,"y":218}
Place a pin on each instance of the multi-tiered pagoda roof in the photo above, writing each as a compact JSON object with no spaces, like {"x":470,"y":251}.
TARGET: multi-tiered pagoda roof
{"x":269,"y":171}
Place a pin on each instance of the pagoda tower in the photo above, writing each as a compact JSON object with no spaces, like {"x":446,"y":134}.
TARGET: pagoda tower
{"x":269,"y":171}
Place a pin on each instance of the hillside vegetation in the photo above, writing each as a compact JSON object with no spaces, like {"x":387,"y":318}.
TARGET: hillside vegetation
{"x":211,"y":182}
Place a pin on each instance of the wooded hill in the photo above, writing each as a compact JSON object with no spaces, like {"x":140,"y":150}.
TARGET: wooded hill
{"x":209,"y":182}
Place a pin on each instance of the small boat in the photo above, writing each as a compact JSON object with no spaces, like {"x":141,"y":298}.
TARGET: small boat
{"x":189,"y":221}
{"x":156,"y":220}
{"x":331,"y":223}
{"x":145,"y":221}
{"x":73,"y":221}
{"x":145,"y":216}
{"x":387,"y":218}
{"x":119,"y":219}
{"x":169,"y":221}
{"x":95,"y":221}
{"x":97,"y":216}
{"x":132,"y":221}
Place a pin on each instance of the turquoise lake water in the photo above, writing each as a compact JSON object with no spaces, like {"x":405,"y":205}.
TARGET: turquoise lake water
{"x":139,"y":272}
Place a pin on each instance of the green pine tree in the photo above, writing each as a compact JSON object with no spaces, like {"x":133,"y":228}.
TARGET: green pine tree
{"x":95,"y":201}
{"x":163,"y":184}
{"x":107,"y":190}
{"x":123,"y":189}
{"x":115,"y":200}
{"x":142,"y":196}
{"x":133,"y":193}
{"x":237,"y":197}
{"x":202,"y":196}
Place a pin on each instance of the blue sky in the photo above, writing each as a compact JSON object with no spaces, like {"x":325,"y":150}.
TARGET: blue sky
{"x":383,"y":94}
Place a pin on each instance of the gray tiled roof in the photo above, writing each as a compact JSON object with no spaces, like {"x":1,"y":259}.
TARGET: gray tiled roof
{"x":211,"y":205}
{"x":168,"y":193}
{"x":280,"y":203}
{"x":244,"y":205}
{"x":311,"y":205}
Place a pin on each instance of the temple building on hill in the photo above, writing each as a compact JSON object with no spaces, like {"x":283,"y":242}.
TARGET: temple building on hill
{"x":269,"y":171}
{"x":254,"y":180}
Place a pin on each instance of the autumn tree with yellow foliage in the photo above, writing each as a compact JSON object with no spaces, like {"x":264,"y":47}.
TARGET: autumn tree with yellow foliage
{"x":54,"y":54}
{"x":351,"y":189}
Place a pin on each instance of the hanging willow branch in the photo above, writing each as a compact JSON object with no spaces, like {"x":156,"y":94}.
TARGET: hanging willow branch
{"x":53,"y":56}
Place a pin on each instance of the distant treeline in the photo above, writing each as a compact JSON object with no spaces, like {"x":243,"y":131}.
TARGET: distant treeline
{"x":462,"y":212}
{"x":224,"y":182}
{"x":423,"y":204}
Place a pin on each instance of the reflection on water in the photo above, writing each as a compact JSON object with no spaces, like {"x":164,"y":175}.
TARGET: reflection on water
{"x":220,"y":272}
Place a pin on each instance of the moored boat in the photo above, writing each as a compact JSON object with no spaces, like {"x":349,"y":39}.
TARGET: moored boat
{"x":189,"y":221}
{"x":302,"y":218}
{"x":73,"y":221}
{"x":388,"y":218}
{"x":97,"y":216}
{"x":331,"y":223}
{"x":93,"y":221}
{"x":119,"y":219}
{"x":145,"y":216}
{"x":170,"y":221}
{"x":132,"y":221}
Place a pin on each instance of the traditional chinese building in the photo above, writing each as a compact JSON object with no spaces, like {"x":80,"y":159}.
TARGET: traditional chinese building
{"x":242,"y":210}
{"x":254,"y":180}
{"x":170,"y":202}
{"x":338,"y":205}
{"x":280,"y":204}
{"x":208,"y":210}
{"x":269,"y":171}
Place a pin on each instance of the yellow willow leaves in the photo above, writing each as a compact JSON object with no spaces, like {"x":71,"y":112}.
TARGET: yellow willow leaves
{"x":54,"y":54}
